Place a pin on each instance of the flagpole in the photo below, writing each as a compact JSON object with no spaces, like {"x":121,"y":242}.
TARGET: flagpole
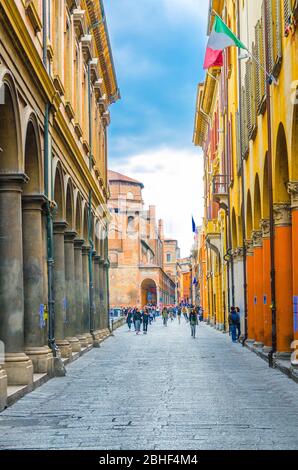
{"x":270,"y":76}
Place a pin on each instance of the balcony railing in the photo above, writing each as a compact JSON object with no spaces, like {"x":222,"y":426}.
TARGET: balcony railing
{"x":220,"y":185}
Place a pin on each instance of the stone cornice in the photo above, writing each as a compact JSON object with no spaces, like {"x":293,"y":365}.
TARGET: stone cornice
{"x":257,"y":238}
{"x":249,"y":247}
{"x":293,"y":191}
{"x":20,"y":30}
{"x":282,"y":214}
{"x":265,"y":226}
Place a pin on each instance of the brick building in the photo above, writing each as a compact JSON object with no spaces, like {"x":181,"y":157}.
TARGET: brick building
{"x":136,"y":248}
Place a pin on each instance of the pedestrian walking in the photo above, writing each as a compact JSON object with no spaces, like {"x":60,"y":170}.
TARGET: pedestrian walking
{"x":129,"y":319}
{"x":145,"y":319}
{"x":179,"y":315}
{"x":185,"y":313}
{"x":137,"y":320}
{"x":193,"y":321}
{"x":234,"y":319}
{"x":165,"y":316}
{"x":238,"y":326}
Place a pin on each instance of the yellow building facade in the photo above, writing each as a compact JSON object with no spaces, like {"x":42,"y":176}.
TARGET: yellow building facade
{"x":251,"y":173}
{"x":57,"y":81}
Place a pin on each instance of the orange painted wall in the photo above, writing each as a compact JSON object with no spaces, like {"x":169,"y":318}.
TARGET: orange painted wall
{"x":284,"y":287}
{"x":295,"y":261}
{"x":267,"y":293}
{"x":258,"y":294}
{"x":250,"y":296}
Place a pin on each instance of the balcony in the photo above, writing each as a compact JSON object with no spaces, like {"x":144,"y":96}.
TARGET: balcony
{"x":220,"y":184}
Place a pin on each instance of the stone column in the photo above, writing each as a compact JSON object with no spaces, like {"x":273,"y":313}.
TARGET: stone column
{"x":258,"y":288}
{"x":78,"y":243}
{"x":250,"y":290}
{"x":101,"y":294}
{"x":86,"y":303}
{"x":59,"y":289}
{"x":96,"y":299}
{"x":18,"y":366}
{"x":34,"y":289}
{"x":293,"y":191}
{"x":106,"y":294}
{"x":267,"y":313}
{"x":239,"y":286}
{"x":283,"y":278}
{"x":71,"y":321}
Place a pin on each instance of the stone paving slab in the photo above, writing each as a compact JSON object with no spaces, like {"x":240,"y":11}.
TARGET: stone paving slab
{"x":163,"y":390}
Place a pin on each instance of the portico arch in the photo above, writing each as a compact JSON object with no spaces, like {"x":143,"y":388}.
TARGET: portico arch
{"x":148,"y":292}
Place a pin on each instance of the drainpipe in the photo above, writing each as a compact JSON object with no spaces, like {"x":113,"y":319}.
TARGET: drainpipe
{"x":91,"y":300}
{"x":48,"y":208}
{"x":243,"y":196}
{"x":270,"y":184}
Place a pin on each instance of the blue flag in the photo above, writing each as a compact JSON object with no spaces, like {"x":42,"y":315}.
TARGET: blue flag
{"x":193,"y":225}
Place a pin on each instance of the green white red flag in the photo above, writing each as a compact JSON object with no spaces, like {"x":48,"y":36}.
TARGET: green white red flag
{"x":220,"y":38}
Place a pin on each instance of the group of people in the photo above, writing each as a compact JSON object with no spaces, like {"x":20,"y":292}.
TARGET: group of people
{"x":136,"y":317}
{"x":143,"y":317}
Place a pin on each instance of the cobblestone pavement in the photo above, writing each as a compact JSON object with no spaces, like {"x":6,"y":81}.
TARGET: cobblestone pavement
{"x":160,"y":391}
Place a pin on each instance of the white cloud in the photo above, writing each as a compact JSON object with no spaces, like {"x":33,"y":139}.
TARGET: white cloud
{"x":173,"y":180}
{"x":181,"y":10}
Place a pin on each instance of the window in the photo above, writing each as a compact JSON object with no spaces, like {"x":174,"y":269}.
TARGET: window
{"x":168,"y":257}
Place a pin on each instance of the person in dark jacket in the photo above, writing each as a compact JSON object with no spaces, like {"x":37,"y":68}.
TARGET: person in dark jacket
{"x":234,"y":319}
{"x":145,"y":318}
{"x":238,"y":326}
{"x":137,"y":320}
{"x":193,"y":321}
{"x":129,"y":319}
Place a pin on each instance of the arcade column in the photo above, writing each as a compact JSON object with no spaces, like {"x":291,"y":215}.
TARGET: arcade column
{"x":258,"y":288}
{"x":59,"y":289}
{"x":18,"y":366}
{"x":293,"y":191}
{"x":34,"y":285}
{"x":71,"y":320}
{"x":250,"y":291}
{"x":267,"y":313}
{"x":283,"y":278}
{"x":78,"y":243}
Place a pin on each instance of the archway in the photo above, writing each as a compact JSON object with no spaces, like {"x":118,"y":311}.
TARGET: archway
{"x":78,"y":215}
{"x":257,"y":204}
{"x":148,"y":292}
{"x":69,"y":205}
{"x":249,"y":224}
{"x":59,"y":214}
{"x":234,"y":230}
{"x":266,"y":209}
{"x":281,"y":174}
{"x":9,"y":131}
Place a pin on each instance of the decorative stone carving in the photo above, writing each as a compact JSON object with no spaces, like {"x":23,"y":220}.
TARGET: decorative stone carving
{"x":238,"y":253}
{"x":249,"y":247}
{"x":282,"y":214}
{"x":257,"y":239}
{"x":78,"y":21}
{"x":293,"y":191}
{"x":265,"y":226}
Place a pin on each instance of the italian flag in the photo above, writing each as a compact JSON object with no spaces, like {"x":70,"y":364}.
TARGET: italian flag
{"x":220,"y":38}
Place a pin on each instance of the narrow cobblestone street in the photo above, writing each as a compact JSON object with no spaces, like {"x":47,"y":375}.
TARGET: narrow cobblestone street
{"x":160,"y":391}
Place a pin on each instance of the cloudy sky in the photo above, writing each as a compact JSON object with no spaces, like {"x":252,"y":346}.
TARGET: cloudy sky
{"x":158,"y":48}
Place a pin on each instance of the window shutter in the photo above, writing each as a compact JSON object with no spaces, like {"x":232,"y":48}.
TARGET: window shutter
{"x":248,"y":95}
{"x":268,"y":29}
{"x":276,"y":37}
{"x":253,"y":71}
{"x":287,"y":12}
{"x":261,"y":77}
{"x":238,"y":141}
